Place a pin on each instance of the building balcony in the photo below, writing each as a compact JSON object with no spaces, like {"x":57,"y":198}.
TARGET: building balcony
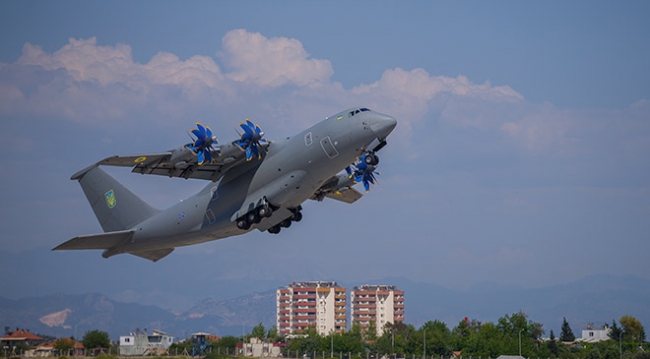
{"x":303,"y":304}
{"x":303,"y":310}
{"x":355,"y":305}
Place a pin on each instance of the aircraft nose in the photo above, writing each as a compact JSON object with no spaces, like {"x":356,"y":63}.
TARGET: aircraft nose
{"x":383,"y":125}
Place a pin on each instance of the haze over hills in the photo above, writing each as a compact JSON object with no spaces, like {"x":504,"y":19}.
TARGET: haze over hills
{"x":596,"y":299}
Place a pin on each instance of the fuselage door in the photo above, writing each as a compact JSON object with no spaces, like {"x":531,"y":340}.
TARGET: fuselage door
{"x":328,"y":147}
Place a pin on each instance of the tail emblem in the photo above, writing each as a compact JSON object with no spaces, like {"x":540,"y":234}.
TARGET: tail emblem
{"x":110,"y":199}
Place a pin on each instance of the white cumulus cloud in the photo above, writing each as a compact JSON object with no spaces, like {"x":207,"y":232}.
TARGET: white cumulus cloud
{"x":414,"y":93}
{"x":273,"y":62}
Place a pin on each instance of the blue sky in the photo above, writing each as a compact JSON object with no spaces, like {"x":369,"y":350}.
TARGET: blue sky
{"x":520,"y":156}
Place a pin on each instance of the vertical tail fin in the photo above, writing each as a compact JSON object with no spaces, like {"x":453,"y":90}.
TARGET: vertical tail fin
{"x":115,"y":206}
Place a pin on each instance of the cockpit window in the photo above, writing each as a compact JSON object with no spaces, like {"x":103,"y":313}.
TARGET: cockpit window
{"x":352,"y":113}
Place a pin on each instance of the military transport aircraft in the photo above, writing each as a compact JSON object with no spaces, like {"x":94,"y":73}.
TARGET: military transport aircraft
{"x":254,"y":183}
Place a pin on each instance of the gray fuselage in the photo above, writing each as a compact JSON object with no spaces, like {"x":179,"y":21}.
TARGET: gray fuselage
{"x":287,"y":175}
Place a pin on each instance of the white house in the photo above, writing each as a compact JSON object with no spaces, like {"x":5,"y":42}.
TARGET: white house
{"x":591,"y":335}
{"x":258,"y":349}
{"x":141,"y":343}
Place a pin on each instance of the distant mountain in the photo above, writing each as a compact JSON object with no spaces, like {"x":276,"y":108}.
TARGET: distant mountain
{"x":233,"y":317}
{"x":596,"y":299}
{"x":72,"y":315}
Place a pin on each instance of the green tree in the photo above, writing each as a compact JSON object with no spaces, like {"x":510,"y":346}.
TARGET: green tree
{"x":309,"y":344}
{"x":566,"y":334}
{"x":489,"y":342}
{"x":632,"y":329}
{"x":370,"y":333}
{"x":258,"y":331}
{"x":515,"y":326}
{"x":64,"y":345}
{"x":461,"y":335}
{"x":615,"y":332}
{"x":349,"y":341}
{"x":228,"y":342}
{"x":552,"y":344}
{"x":273,"y":334}
{"x":438,"y":338}
{"x":96,"y":339}
{"x":395,"y":339}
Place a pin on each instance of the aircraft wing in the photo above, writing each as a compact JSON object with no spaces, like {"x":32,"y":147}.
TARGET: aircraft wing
{"x":130,"y":161}
{"x":347,"y":195}
{"x":338,"y":187}
{"x":96,"y":241}
{"x":182,"y":162}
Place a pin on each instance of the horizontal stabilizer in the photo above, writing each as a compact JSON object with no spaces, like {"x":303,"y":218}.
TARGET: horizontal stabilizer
{"x":96,"y":241}
{"x":347,"y":195}
{"x":153,"y":255}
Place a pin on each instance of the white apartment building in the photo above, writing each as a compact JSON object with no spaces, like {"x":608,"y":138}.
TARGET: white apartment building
{"x":376,"y":304}
{"x":311,"y":304}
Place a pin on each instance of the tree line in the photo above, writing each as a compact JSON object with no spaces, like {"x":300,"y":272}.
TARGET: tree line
{"x":510,"y":335}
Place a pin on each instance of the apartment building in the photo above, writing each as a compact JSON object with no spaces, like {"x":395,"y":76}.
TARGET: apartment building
{"x":377,"y":305}
{"x":311,"y":304}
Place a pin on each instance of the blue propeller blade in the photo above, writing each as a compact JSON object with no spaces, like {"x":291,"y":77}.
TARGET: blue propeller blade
{"x":251,"y":139}
{"x":201,"y":157}
{"x":362,"y":173}
{"x":203,"y":143}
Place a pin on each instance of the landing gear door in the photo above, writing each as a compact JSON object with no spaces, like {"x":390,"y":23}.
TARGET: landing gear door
{"x":328,"y":147}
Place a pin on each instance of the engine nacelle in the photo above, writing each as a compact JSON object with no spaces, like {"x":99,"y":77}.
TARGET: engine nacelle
{"x":182,"y":154}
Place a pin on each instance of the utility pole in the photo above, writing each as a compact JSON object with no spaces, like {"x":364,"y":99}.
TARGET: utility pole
{"x":424,"y":353}
{"x":620,"y":345}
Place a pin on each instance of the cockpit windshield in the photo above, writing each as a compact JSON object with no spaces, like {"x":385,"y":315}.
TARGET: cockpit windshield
{"x":362,"y":109}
